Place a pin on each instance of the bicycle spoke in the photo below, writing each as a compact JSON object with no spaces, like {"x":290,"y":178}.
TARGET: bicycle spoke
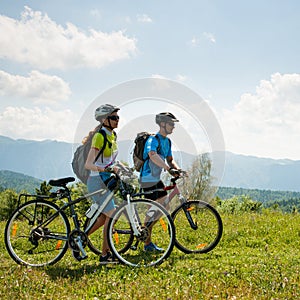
{"x":33,"y":243}
{"x":161,"y":228}
{"x":198,"y":227}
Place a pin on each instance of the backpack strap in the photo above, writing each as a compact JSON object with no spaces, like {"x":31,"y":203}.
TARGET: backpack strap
{"x":105,"y":141}
{"x":159,"y":144}
{"x":157,"y":151}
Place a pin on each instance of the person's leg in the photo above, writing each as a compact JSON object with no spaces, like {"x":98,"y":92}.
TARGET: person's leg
{"x":94,"y":183}
{"x":105,"y":247}
{"x":106,"y":256}
{"x":158,"y":196}
{"x":99,"y":222}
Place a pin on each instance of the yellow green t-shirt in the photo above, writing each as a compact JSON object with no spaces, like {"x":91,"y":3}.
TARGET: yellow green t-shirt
{"x":111,"y":149}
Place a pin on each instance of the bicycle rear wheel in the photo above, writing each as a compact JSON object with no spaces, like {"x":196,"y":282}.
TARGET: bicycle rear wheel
{"x":36,"y":234}
{"x":203,"y":233}
{"x":148,"y":216}
{"x":96,"y":238}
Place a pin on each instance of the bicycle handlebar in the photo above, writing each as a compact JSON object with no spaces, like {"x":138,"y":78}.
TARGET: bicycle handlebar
{"x":182,"y":175}
{"x":120,"y":170}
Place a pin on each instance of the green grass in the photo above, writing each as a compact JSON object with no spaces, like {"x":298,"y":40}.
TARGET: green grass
{"x":257,"y":258}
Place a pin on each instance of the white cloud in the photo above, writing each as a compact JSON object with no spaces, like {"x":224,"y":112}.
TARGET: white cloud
{"x":209,"y":36}
{"x":37,"y":40}
{"x":266,"y":123}
{"x":143,"y":18}
{"x":37,"y":124}
{"x":194,"y":42}
{"x":181,"y":78}
{"x":178,"y":77}
{"x":39,"y":87}
{"x":158,"y":76}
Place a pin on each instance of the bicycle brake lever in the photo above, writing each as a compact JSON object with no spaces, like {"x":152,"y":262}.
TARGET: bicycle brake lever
{"x":109,"y":169}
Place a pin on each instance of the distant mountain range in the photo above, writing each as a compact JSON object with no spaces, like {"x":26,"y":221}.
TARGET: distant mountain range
{"x":52,"y":159}
{"x":18,"y":182}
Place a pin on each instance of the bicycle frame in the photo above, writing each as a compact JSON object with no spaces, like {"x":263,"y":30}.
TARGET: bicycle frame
{"x":64,"y":193}
{"x":174,"y":191}
{"x":100,"y":209}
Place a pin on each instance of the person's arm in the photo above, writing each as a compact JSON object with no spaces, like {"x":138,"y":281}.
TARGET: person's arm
{"x":89,"y":164}
{"x":158,"y":160}
{"x":97,"y":144}
{"x":172,"y":163}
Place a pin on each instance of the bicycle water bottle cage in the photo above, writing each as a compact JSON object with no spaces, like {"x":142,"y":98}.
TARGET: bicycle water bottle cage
{"x":61,"y":182}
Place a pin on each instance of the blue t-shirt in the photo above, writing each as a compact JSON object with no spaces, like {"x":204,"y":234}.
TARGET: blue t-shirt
{"x":150,"y":172}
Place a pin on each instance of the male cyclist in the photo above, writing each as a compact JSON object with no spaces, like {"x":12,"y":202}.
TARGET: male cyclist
{"x":158,"y":156}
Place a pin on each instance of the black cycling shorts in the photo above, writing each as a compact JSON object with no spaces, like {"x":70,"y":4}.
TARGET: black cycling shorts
{"x":155,"y":194}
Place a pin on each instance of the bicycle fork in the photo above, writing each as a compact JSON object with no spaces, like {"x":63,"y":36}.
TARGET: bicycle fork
{"x":140,"y":231}
{"x":133,"y":218}
{"x":186,"y":208}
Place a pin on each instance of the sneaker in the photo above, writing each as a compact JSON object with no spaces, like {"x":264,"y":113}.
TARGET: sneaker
{"x":153,"y":247}
{"x":108,"y":259}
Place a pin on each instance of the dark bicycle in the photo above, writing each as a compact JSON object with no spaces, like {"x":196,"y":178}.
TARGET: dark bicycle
{"x":38,"y":233}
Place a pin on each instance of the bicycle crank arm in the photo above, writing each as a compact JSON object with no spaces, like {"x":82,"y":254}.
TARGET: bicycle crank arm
{"x":80,"y":246}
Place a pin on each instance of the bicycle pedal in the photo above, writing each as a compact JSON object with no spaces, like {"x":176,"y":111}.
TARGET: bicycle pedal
{"x":80,"y":258}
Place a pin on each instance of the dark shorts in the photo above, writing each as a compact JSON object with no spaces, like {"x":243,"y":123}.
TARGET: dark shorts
{"x":156,"y":194}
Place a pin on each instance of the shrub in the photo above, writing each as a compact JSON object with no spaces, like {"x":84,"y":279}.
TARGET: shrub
{"x":239,"y":204}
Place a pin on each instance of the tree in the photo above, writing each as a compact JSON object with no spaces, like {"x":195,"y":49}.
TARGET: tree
{"x":8,"y":204}
{"x":200,"y":179}
{"x":77,"y":190}
{"x":44,"y":189}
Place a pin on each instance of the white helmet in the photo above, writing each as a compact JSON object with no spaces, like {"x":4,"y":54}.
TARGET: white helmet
{"x":104,"y":110}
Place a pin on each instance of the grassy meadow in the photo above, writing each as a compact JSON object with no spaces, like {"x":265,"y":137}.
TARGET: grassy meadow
{"x":258,"y":258}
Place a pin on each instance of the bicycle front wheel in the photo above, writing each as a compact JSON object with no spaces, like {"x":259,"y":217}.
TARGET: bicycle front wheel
{"x":36,"y":234}
{"x":198,"y":226}
{"x":149,"y":220}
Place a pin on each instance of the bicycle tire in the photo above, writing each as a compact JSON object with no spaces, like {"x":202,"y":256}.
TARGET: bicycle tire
{"x":163,"y":234}
{"x":207,"y":233}
{"x":30,"y":244}
{"x":96,"y":238}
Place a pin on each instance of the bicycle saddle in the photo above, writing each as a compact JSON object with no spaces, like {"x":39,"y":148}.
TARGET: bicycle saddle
{"x":61,"y":182}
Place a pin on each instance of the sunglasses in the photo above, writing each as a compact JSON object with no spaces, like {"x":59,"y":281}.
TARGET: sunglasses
{"x":172,"y":124}
{"x":113,"y":118}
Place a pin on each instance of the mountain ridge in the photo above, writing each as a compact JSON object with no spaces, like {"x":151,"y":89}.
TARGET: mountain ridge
{"x":18,"y":181}
{"x":52,"y":159}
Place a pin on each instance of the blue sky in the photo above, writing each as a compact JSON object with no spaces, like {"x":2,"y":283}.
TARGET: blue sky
{"x":241,"y":57}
